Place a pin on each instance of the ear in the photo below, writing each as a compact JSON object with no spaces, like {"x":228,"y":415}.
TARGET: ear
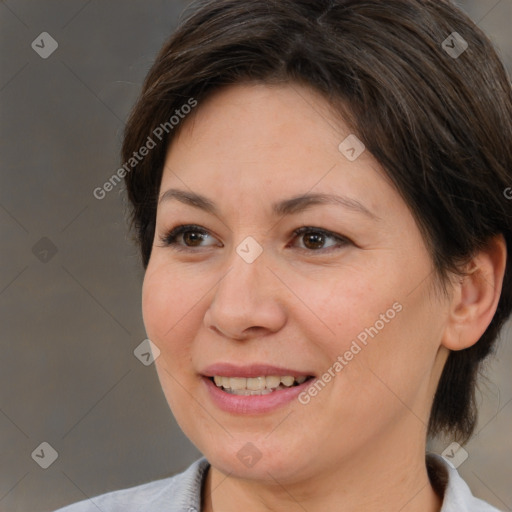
{"x":476,"y":296}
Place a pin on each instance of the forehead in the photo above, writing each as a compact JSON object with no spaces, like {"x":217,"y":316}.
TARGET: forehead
{"x":265,"y":139}
{"x":259,"y":126}
{"x":248,"y":117}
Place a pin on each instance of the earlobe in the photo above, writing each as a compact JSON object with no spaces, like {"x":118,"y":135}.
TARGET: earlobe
{"x":476,"y":296}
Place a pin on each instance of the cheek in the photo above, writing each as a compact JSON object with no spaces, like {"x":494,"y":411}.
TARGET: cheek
{"x":156,"y":316}
{"x":340,"y":304}
{"x":392,"y":372}
{"x":167,"y":310}
{"x":386,"y":332}
{"x":168,"y":314}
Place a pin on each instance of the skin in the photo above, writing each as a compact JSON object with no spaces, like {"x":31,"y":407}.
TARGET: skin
{"x":360,"y":443}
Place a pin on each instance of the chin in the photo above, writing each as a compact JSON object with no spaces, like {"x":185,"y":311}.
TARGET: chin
{"x":258,"y":459}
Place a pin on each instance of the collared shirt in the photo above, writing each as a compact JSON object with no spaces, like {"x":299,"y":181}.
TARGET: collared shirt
{"x":182,"y":492}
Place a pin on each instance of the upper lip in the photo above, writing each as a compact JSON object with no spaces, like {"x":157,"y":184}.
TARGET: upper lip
{"x":252,"y":370}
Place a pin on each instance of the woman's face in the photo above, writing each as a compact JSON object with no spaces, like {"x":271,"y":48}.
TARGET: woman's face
{"x":346,"y":301}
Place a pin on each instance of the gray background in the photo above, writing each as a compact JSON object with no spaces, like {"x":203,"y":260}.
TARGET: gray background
{"x":72,"y":318}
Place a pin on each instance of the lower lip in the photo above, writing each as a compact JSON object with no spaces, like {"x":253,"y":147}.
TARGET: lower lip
{"x":255,"y":404}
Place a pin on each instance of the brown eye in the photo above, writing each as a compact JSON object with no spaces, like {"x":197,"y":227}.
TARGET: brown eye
{"x":185,"y":236}
{"x":314,"y":239}
{"x":192,"y":238}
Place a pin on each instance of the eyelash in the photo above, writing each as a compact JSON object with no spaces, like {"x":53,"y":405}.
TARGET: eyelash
{"x":170,"y":239}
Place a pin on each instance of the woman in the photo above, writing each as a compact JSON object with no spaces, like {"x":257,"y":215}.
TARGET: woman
{"x":318,"y":191}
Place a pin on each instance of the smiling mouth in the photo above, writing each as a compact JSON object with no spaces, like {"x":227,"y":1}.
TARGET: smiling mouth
{"x":254,"y":386}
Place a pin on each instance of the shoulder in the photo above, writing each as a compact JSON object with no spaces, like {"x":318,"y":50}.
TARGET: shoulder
{"x":457,"y":496}
{"x":179,"y":493}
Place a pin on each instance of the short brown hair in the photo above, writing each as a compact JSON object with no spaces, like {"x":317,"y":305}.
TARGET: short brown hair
{"x":440,"y":124}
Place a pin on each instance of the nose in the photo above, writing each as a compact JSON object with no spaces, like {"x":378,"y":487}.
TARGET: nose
{"x":248,"y":301}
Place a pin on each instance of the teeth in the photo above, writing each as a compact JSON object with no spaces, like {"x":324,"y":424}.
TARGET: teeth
{"x":272,"y":381}
{"x":234,"y":382}
{"x":287,"y":381}
{"x":248,"y":392}
{"x":256,"y":385}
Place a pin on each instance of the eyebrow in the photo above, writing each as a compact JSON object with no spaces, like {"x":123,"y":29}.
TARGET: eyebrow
{"x":290,"y":206}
